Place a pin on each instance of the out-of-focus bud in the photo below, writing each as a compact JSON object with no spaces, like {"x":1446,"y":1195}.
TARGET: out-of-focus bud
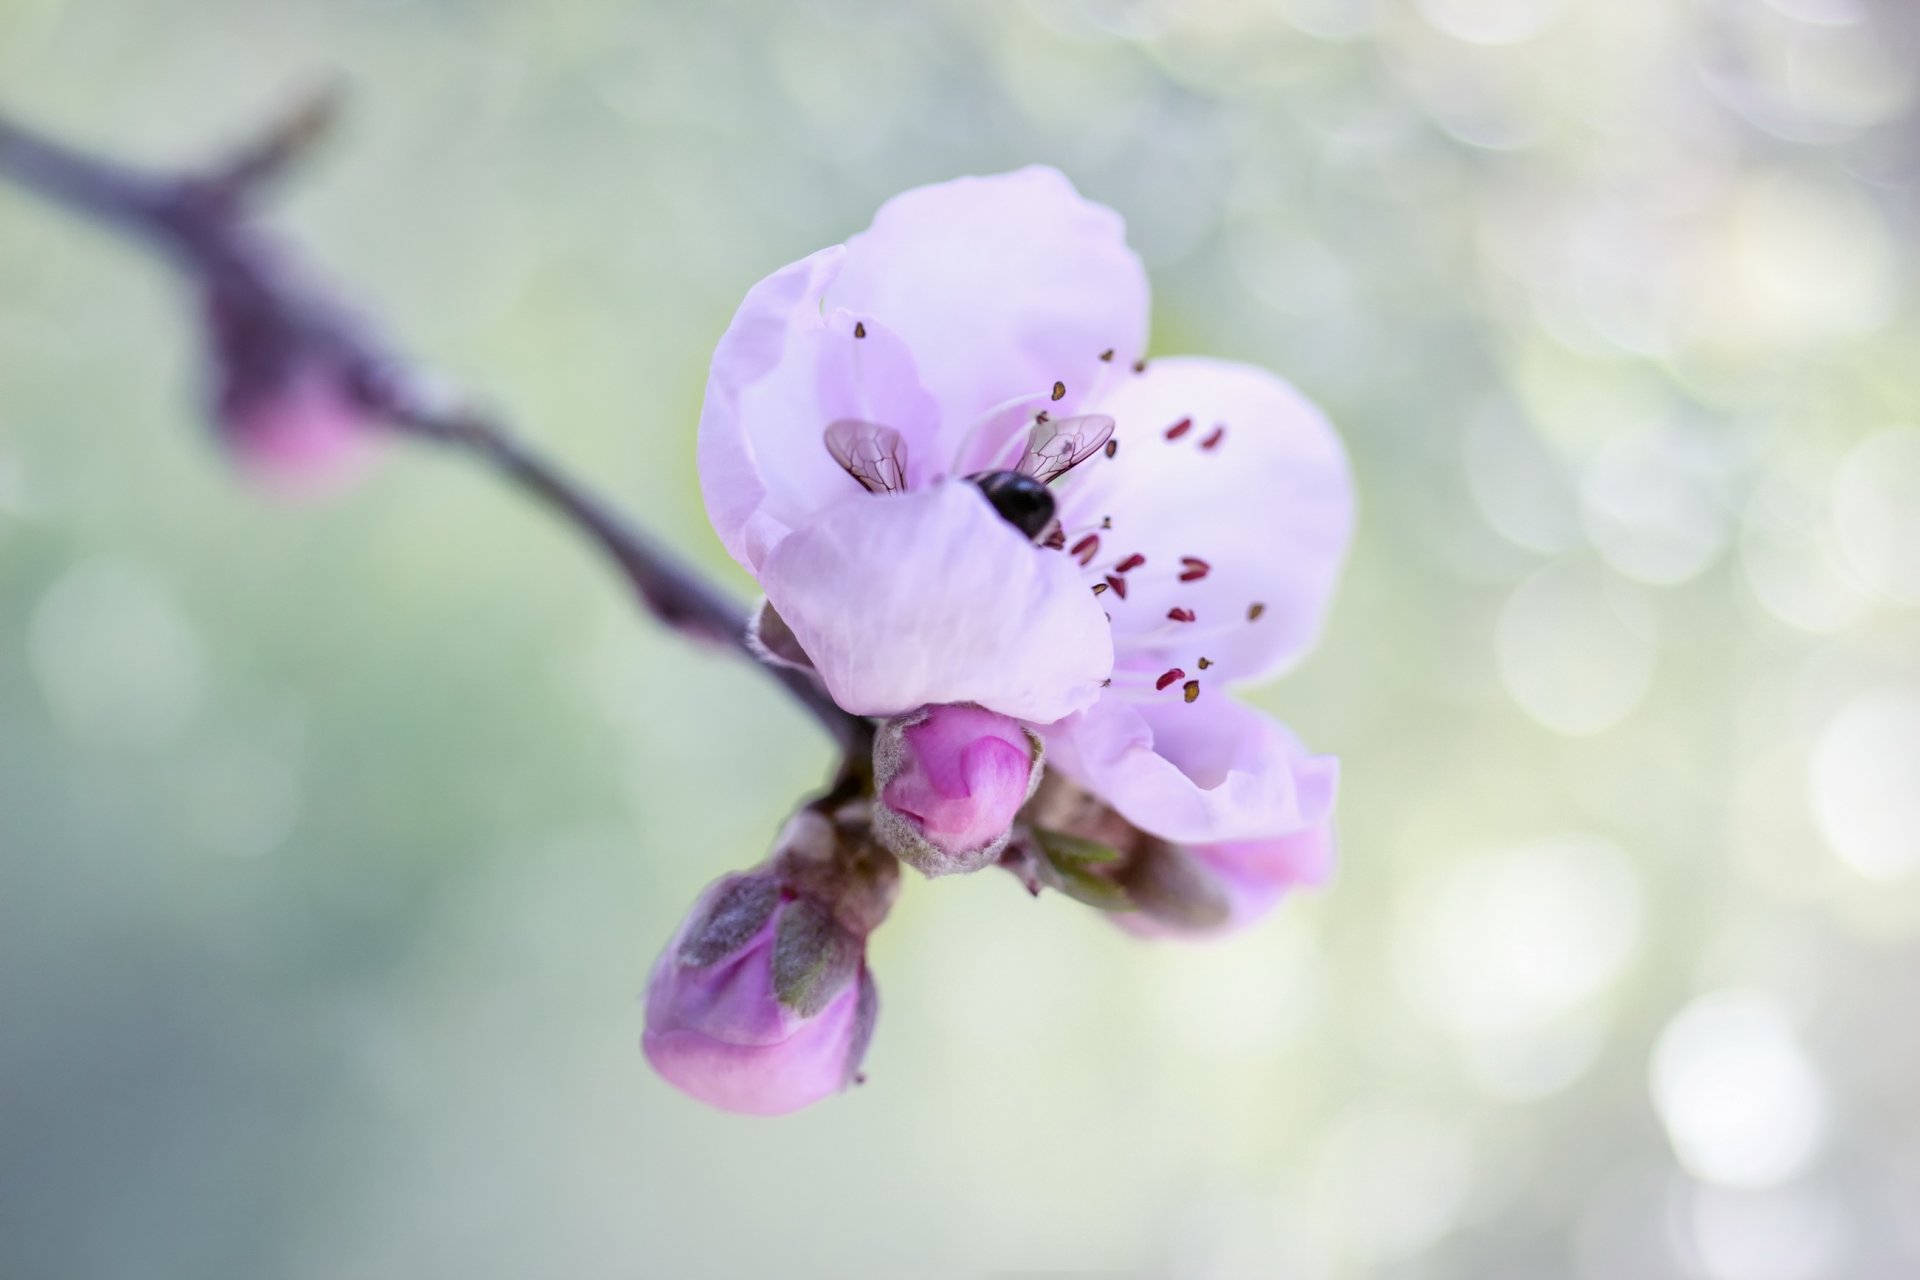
{"x":762,"y":1003}
{"x":288,"y":413}
{"x":1184,"y":891}
{"x":1076,"y":844}
{"x":948,"y":781}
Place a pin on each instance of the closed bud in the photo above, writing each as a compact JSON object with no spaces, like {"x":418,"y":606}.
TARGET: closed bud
{"x":1077,"y":844}
{"x":289,"y":414}
{"x":762,"y":1003}
{"x":948,"y":782}
{"x":1188,"y":890}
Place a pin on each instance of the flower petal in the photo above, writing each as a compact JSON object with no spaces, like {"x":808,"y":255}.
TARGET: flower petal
{"x":1245,"y":530}
{"x":1001,"y":286}
{"x":1198,"y":773}
{"x":784,"y":370}
{"x":906,"y":600}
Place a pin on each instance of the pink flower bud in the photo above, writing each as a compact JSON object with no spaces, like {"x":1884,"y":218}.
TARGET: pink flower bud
{"x":950,"y":780}
{"x":304,"y":437}
{"x":762,"y":1003}
{"x":286,"y":406}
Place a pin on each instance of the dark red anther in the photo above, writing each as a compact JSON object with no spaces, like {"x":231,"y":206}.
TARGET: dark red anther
{"x":1131,"y":563}
{"x":1180,"y":615}
{"x":1179,"y":428}
{"x":1190,"y":690}
{"x":1169,"y":677}
{"x":1085,"y":549}
{"x":1213,"y":437}
{"x":1040,"y":416}
{"x":1119,"y":586}
{"x":1193,"y":568}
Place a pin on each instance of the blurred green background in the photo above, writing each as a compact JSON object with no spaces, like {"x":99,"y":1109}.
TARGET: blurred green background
{"x":336,"y":840}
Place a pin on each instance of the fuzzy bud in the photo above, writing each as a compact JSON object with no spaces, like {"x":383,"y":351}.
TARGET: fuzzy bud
{"x":949,"y":781}
{"x":762,"y":1003}
{"x":288,"y":412}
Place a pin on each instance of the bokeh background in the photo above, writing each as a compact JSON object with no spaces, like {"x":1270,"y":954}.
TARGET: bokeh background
{"x":336,"y":839}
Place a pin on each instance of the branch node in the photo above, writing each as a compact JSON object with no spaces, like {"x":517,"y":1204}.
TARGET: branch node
{"x":285,"y":143}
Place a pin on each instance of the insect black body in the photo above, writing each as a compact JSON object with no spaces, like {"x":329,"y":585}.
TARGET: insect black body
{"x":1022,"y":500}
{"x":876,"y":457}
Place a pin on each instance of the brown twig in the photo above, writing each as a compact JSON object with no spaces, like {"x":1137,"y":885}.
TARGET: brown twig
{"x":268,"y":316}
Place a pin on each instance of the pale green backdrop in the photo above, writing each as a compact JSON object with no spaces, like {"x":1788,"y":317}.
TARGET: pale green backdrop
{"x":336,"y":840}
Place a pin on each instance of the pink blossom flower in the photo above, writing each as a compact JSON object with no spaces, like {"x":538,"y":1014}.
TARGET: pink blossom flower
{"x":948,"y":783}
{"x":878,"y":420}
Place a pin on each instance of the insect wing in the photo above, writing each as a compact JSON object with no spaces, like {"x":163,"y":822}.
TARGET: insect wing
{"x":1057,"y":447}
{"x":874,"y":455}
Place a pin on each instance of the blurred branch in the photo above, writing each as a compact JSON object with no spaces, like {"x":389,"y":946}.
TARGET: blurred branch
{"x":202,"y":221}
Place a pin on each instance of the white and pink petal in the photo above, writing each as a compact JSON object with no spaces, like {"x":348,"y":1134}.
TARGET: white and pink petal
{"x":929,"y":597}
{"x":1002,"y":286}
{"x":785,"y":370}
{"x":1212,"y":771}
{"x":1226,"y":511}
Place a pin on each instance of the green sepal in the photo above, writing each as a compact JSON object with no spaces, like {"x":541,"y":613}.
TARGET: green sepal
{"x":738,"y":912}
{"x":813,"y":957}
{"x":1066,"y":864}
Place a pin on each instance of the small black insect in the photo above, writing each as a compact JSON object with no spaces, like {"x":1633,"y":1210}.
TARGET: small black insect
{"x":1022,"y":501}
{"x":1053,"y":448}
{"x":876,"y":456}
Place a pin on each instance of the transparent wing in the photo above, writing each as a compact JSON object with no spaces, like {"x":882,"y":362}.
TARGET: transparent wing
{"x":874,"y":455}
{"x":1056,"y":447}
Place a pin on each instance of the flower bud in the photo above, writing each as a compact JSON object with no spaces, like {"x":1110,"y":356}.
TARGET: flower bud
{"x":949,"y":780}
{"x":1184,"y":891}
{"x":1077,"y":844}
{"x":762,"y":1003}
{"x":307,"y":437}
{"x":288,"y":413}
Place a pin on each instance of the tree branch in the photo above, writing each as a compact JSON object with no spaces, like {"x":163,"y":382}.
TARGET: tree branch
{"x":268,"y":318}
